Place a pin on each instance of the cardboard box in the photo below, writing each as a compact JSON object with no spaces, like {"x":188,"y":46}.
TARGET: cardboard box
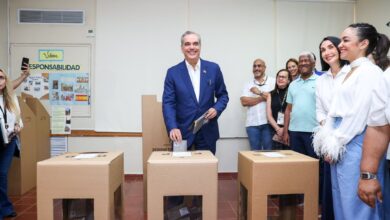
{"x":65,"y":177}
{"x":154,"y":133}
{"x":181,"y":176}
{"x":261,"y":176}
{"x":22,"y":174}
{"x":35,"y":142}
{"x":42,"y":128}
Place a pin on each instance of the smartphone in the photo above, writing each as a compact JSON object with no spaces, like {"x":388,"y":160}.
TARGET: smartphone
{"x":25,"y":61}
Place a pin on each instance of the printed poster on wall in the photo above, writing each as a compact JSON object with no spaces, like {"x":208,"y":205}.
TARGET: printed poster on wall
{"x":60,"y":120}
{"x":37,"y":86}
{"x":43,"y":63}
{"x":69,"y":89}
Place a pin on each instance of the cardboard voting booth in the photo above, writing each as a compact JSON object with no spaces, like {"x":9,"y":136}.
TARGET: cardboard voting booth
{"x":22,"y":174}
{"x":192,"y":179}
{"x":94,"y":180}
{"x":275,"y":173}
{"x":154,"y":134}
{"x":42,"y":128}
{"x":35,"y":146}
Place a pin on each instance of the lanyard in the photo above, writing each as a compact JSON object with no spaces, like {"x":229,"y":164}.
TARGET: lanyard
{"x":283,"y":101}
{"x":261,"y":84}
{"x":5,"y":116}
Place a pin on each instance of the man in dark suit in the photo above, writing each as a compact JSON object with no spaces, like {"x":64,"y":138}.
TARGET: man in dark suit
{"x":190,"y":90}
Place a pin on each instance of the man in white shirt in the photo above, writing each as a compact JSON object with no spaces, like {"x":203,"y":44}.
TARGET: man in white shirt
{"x":254,"y":97}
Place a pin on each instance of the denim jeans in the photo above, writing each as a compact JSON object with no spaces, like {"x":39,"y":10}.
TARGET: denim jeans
{"x":302,"y":142}
{"x":6,"y":154}
{"x":260,"y":137}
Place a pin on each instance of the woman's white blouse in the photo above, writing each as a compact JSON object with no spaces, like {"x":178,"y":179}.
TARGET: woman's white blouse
{"x":11,"y":117}
{"x":380,"y":107}
{"x":325,"y":88}
{"x":353,"y":98}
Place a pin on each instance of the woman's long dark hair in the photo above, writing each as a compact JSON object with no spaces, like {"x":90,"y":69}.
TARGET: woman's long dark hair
{"x":378,"y":44}
{"x":335,"y":41}
{"x":276,"y":81}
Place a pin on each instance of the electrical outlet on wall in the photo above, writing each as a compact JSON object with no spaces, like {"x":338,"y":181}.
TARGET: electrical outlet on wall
{"x":91,"y":33}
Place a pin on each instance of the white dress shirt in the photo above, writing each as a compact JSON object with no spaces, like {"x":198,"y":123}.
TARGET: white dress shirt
{"x":380,"y":108}
{"x":325,"y":88}
{"x":353,"y":98}
{"x":256,"y":115}
{"x":195,"y":77}
{"x":11,"y":117}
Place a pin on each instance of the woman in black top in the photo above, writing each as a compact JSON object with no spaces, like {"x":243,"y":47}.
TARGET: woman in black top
{"x":276,"y":105}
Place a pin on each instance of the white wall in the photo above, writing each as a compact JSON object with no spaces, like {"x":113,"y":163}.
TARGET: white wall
{"x":132,"y":148}
{"x":146,"y":35}
{"x":136,"y":42}
{"x":4,"y":35}
{"x":375,"y":12}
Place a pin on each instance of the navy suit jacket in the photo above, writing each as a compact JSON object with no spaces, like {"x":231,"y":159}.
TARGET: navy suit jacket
{"x":180,"y":106}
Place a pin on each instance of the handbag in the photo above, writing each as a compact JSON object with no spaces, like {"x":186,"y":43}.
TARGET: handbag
{"x":278,"y":139}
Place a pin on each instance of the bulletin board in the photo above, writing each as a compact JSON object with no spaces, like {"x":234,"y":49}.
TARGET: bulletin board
{"x":59,"y":75}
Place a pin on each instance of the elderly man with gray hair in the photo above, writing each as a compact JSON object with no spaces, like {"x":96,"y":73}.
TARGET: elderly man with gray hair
{"x":300,"y":115}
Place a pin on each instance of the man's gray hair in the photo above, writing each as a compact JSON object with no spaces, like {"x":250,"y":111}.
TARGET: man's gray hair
{"x":308,"y":54}
{"x":189,"y":33}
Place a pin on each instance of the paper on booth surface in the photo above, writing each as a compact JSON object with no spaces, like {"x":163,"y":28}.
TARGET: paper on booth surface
{"x":273,"y":154}
{"x":85,"y":156}
{"x":181,"y":154}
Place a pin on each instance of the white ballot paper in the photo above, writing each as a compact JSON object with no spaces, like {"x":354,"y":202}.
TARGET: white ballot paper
{"x":181,"y":154}
{"x":273,"y":154}
{"x":180,"y":146}
{"x":85,"y":156}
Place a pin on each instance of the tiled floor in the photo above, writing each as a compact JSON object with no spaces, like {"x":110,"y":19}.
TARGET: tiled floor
{"x":26,"y":207}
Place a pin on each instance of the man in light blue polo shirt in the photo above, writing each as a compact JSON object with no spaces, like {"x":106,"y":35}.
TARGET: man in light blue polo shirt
{"x":300,"y":116}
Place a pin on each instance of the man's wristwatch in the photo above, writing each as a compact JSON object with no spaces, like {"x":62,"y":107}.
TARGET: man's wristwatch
{"x":368,"y":176}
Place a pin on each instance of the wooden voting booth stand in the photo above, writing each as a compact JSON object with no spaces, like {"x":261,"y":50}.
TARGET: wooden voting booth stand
{"x":154,"y":133}
{"x":35,"y":146}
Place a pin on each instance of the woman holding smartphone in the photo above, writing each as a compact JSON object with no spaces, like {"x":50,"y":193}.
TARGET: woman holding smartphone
{"x":11,"y":125}
{"x":25,"y":67}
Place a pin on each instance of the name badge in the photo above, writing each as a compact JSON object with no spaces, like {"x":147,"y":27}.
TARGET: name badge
{"x":280,"y":120}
